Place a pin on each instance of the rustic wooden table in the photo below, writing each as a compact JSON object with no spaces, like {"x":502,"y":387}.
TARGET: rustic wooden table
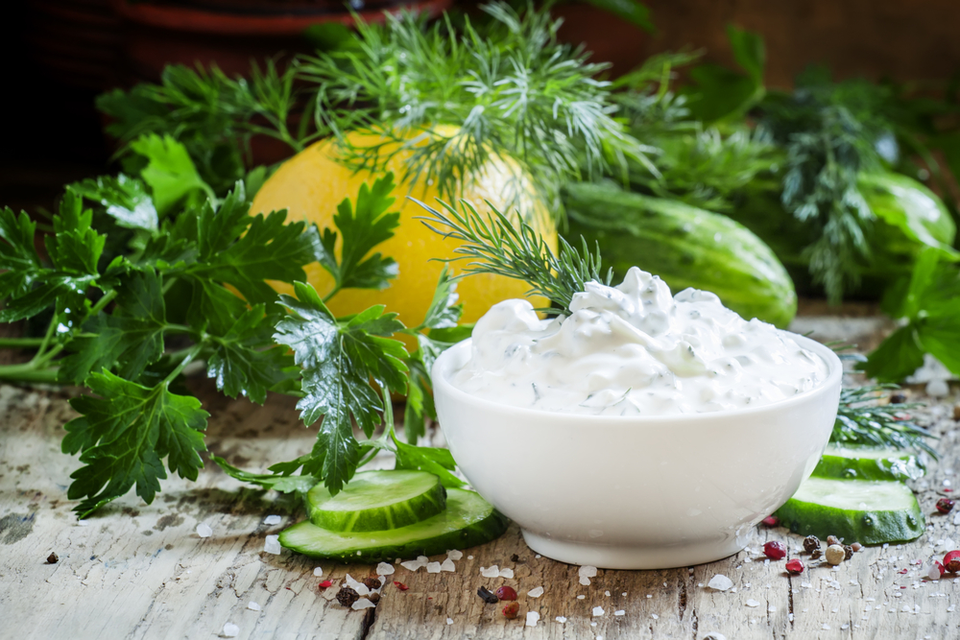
{"x":142,"y":571}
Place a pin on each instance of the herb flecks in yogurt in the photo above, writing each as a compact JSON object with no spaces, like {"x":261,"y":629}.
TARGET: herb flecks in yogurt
{"x":635,"y":350}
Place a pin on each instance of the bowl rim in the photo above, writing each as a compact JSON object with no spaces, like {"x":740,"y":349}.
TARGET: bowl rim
{"x":443,"y":364}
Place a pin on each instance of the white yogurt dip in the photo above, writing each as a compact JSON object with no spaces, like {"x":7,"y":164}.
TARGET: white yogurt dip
{"x":634,"y":350}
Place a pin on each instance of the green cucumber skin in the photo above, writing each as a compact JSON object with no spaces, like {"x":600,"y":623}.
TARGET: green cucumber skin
{"x":685,"y":246}
{"x":309,"y":539}
{"x":898,"y":466}
{"x":382,"y":518}
{"x":867,"y":527}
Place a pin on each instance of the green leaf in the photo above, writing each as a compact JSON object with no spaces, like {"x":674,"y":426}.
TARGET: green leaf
{"x":170,"y":172}
{"x":128,"y":340}
{"x":361,"y":229}
{"x":434,"y":460}
{"x":19,"y":262}
{"x":281,"y":483}
{"x":630,"y":10}
{"x":124,"y":199}
{"x":338,"y":361}
{"x":749,"y":52}
{"x":245,"y":251}
{"x":241,"y":364}
{"x":444,"y":312}
{"x":123,"y":436}
{"x":896,"y":358}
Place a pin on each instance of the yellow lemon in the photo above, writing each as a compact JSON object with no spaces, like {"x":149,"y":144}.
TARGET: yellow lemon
{"x":311,"y":184}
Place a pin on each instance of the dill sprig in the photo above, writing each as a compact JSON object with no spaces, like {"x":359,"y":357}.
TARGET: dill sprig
{"x":453,"y":97}
{"x":862,"y":421}
{"x":501,"y":246}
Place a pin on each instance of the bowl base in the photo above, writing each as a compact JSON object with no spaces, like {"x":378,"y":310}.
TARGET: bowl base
{"x":606,"y":556}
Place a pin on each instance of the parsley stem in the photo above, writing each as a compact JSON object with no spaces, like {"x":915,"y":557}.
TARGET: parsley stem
{"x":192,"y":353}
{"x":42,"y":347}
{"x":20,"y":343}
{"x":28,"y":372}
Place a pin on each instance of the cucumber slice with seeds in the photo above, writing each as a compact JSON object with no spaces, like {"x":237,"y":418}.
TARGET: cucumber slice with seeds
{"x":377,"y":500}
{"x":467,"y":521}
{"x":869,"y":463}
{"x":865,"y":511}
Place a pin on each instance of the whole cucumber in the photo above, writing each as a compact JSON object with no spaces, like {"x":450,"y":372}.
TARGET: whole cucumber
{"x":684,"y":245}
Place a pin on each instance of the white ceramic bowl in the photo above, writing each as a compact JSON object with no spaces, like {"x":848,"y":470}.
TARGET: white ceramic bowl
{"x":636,"y":492}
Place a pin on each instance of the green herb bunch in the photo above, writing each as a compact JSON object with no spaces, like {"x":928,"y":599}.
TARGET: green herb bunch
{"x":147,"y":275}
{"x":507,"y":87}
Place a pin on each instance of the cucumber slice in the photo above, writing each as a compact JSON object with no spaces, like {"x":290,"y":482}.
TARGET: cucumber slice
{"x":377,"y":500}
{"x":868,"y":463}
{"x":467,"y":521}
{"x":867,"y":511}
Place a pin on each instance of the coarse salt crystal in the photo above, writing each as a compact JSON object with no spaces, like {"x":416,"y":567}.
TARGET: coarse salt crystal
{"x":587,"y":571}
{"x":253,"y":606}
{"x":597,"y":612}
{"x":271,"y":544}
{"x":714,"y":636}
{"x":318,"y":571}
{"x":584,"y":580}
{"x":536,"y":592}
{"x":272,"y":520}
{"x":204,"y":530}
{"x":752,"y":603}
{"x":532,"y":618}
{"x":449,"y":620}
{"x":385,"y":569}
{"x":654,"y":616}
{"x":447,"y":565}
{"x":506,"y":573}
{"x":82,"y":523}
{"x":561,"y":619}
{"x":433,"y":567}
{"x":606,"y":593}
{"x":720,"y":582}
{"x":581,"y":597}
{"x":411,"y":565}
{"x":619,"y":612}
{"x":455,"y":554}
{"x":230,"y":630}
{"x":490,"y":572}
{"x":362,"y":603}
{"x":423,"y":560}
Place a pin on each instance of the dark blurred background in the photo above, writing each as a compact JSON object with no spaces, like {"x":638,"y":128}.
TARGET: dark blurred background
{"x":61,"y":53}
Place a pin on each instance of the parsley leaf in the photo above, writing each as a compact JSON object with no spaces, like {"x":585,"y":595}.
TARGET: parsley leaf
{"x":281,"y":483}
{"x":931,"y":310}
{"x":361,"y":229}
{"x":434,"y":460}
{"x":339,"y":358}
{"x":170,"y":172}
{"x":124,"y":435}
{"x":124,"y":199}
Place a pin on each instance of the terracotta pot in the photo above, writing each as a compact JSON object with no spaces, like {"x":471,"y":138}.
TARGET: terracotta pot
{"x":231,"y":33}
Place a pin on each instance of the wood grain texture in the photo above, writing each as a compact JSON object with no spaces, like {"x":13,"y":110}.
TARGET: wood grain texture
{"x":141,"y":571}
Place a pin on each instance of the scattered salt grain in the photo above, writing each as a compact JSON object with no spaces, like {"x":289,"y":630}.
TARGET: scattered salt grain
{"x":825,"y":627}
{"x":469,"y":557}
{"x":455,"y":554}
{"x":581,"y":597}
{"x":318,"y":571}
{"x":584,"y":580}
{"x":359,"y":587}
{"x":271,"y":520}
{"x":624,"y":594}
{"x":587,"y":571}
{"x":619,"y":612}
{"x":230,"y":630}
{"x":597,"y":612}
{"x":253,"y":606}
{"x":362,"y":603}
{"x":82,"y":523}
{"x":204,"y":530}
{"x":720,"y":582}
{"x":447,"y":565}
{"x":449,"y":620}
{"x":536,"y":592}
{"x":938,"y":388}
{"x":506,"y":573}
{"x":411,"y":565}
{"x":532,"y":618}
{"x":606,"y":593}
{"x":271,"y":544}
{"x":714,"y":636}
{"x":490,"y":572}
{"x":538,"y":556}
{"x":752,"y":603}
{"x":384,"y":569}
{"x":561,"y":619}
{"x":433,"y":567}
